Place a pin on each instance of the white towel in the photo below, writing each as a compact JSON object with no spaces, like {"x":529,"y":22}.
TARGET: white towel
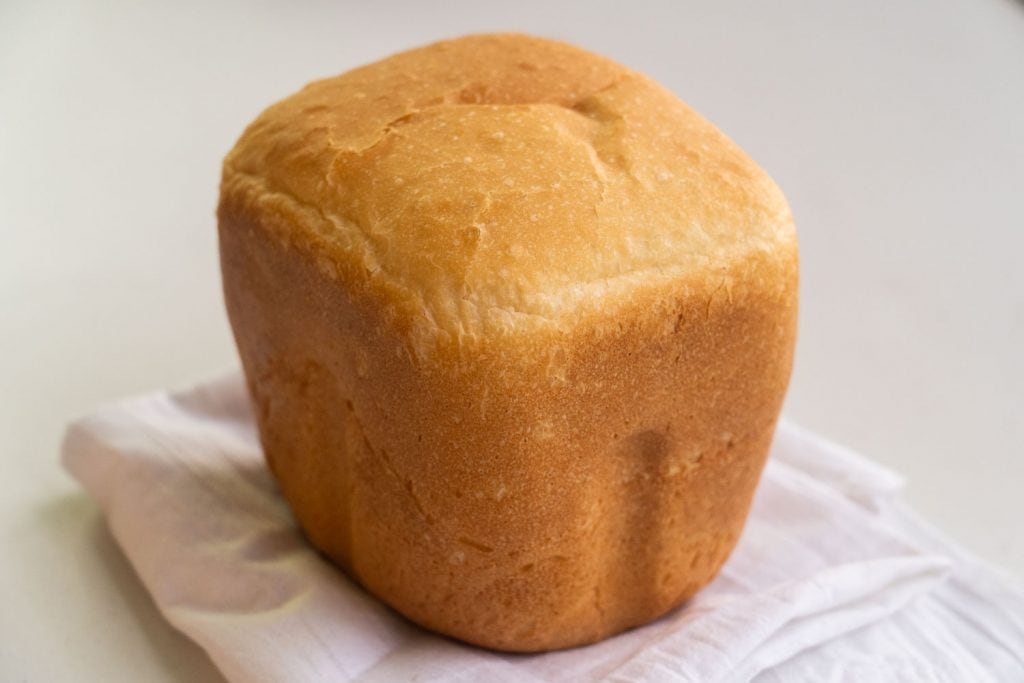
{"x":834,"y":579}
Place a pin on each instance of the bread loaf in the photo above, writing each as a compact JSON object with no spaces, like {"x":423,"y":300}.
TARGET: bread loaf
{"x":517,"y":324}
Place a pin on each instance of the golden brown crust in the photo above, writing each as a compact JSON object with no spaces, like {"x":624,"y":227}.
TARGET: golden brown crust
{"x":528,"y":415}
{"x":441,"y":182}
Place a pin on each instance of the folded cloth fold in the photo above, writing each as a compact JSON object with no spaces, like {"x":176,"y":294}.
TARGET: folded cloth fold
{"x":833,"y":579}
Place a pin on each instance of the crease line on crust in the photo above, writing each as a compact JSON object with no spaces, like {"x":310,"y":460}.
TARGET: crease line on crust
{"x":374,"y":268}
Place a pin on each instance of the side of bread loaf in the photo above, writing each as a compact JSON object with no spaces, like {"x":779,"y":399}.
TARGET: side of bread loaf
{"x":531,"y":419}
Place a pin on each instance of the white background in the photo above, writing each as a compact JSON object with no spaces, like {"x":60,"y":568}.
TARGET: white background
{"x":895,"y":128}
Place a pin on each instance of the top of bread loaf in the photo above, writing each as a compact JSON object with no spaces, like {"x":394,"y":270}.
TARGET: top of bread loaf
{"x":493,"y":184}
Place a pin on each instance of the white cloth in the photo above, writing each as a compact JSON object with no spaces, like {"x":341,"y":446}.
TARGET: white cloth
{"x":834,"y":579}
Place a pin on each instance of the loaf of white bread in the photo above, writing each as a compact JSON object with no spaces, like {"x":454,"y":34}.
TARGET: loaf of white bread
{"x":517,"y":324}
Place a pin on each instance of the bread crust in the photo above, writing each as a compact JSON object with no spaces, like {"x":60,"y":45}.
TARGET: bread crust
{"x":534,"y":460}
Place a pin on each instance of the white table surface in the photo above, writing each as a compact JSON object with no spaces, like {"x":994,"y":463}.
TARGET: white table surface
{"x":895,"y":129}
